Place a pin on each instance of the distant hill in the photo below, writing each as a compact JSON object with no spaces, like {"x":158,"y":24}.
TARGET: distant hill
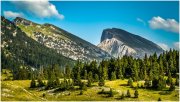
{"x":119,"y":42}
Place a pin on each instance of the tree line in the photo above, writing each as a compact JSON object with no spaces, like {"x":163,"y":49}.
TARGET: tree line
{"x":153,"y":69}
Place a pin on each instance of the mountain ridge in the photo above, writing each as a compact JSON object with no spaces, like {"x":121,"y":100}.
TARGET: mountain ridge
{"x":61,"y":40}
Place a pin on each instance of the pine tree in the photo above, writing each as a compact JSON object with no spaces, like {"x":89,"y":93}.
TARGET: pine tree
{"x":172,"y":87}
{"x":111,"y":94}
{"x":169,"y":79}
{"x":96,"y":78}
{"x":83,"y":86}
{"x":128,"y":93}
{"x":136,"y":94}
{"x":90,"y":79}
{"x":33,"y":83}
{"x":177,"y":82}
{"x":135,"y":71}
{"x":81,"y":92}
{"x":159,"y":99}
{"x":57,"y":82}
{"x":147,"y":83}
{"x":122,"y":95}
{"x":67,"y":72}
{"x":101,"y":82}
{"x":155,"y":83}
{"x":161,"y":83}
{"x":113,"y":76}
{"x":130,"y":82}
{"x":85,"y":74}
{"x":40,"y":83}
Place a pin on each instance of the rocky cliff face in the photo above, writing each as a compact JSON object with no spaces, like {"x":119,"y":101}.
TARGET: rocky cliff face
{"x":60,"y":40}
{"x":118,"y":42}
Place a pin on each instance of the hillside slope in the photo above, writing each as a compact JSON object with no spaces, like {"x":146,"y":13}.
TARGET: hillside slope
{"x":62,"y":41}
{"x":18,"y":49}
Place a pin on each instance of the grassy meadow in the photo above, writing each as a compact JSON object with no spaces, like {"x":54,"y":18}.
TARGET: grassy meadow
{"x":17,"y":90}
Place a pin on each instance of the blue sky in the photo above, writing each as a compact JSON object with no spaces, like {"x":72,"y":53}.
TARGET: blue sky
{"x":155,"y":21}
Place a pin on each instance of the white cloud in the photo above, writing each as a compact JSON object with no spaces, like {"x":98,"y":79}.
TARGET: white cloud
{"x":11,"y":14}
{"x":163,"y":46}
{"x":40,"y":8}
{"x":176,"y":45}
{"x":165,"y":24}
{"x":142,"y":21}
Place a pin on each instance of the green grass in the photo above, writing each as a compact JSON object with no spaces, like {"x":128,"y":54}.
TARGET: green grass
{"x":45,"y":30}
{"x":19,"y":90}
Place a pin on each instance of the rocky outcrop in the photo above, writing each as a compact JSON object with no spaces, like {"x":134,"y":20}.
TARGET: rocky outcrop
{"x":118,"y":42}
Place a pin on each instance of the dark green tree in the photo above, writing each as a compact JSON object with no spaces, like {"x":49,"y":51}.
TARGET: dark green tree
{"x":33,"y":83}
{"x":128,"y":93}
{"x":172,"y":87}
{"x":111,"y":94}
{"x":130,"y":82}
{"x":113,"y":76}
{"x":40,"y":83}
{"x":83,"y":86}
{"x":122,"y":95}
{"x":136,"y":94}
{"x":159,"y":99}
{"x":96,"y":77}
{"x":101,"y":82}
{"x":90,"y":79}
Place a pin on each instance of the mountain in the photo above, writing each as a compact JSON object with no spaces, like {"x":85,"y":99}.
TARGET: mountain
{"x":61,"y":41}
{"x":118,"y":42}
{"x":17,"y":49}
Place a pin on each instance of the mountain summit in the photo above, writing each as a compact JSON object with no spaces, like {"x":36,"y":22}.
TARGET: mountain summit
{"x":118,"y":42}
